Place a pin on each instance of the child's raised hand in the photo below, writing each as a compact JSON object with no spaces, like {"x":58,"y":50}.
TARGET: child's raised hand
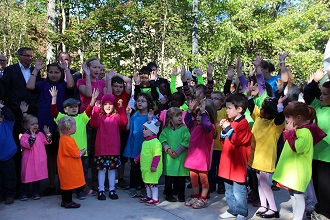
{"x":283,"y":56}
{"x":199,"y":72}
{"x":136,"y":78}
{"x":39,"y":64}
{"x":175,"y":71}
{"x":62,"y":64}
{"x":202,"y":107}
{"x":120,"y":103}
{"x":24,"y":106}
{"x":209,"y":71}
{"x":53,"y":91}
{"x":231,"y":72}
{"x":183,"y":74}
{"x":249,"y":89}
{"x":46,"y":129}
{"x":86,"y":69}
{"x":257,"y":61}
{"x":95,"y":93}
{"x":111,"y":74}
{"x":318,"y":75}
{"x":224,"y":123}
{"x":98,"y":103}
{"x":153,"y":169}
{"x":150,"y":114}
{"x":238,"y":64}
{"x":192,"y":105}
{"x":281,"y":99}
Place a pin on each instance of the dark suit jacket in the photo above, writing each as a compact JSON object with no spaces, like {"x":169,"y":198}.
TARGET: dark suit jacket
{"x":16,"y":91}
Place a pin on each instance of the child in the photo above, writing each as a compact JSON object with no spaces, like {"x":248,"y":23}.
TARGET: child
{"x":143,"y":104}
{"x":294,"y":168}
{"x":107,"y":145}
{"x":198,"y":159}
{"x":7,"y":151}
{"x":71,"y":108}
{"x":267,"y":128}
{"x":70,"y":170}
{"x":151,"y":161}
{"x":236,"y":141}
{"x":175,"y":140}
{"x":218,"y":99}
{"x":34,"y":158}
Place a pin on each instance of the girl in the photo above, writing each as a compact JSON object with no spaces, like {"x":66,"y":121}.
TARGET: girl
{"x":34,"y":158}
{"x":151,"y":161}
{"x":175,"y":140}
{"x":55,"y":77}
{"x":267,"y":128}
{"x":70,"y":170}
{"x":198,"y":159}
{"x":107,"y":145}
{"x":294,"y":168}
{"x":144,"y":104}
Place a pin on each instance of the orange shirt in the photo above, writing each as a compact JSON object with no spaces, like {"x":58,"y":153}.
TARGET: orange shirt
{"x":70,"y":170}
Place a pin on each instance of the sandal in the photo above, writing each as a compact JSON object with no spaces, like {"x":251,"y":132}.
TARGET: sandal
{"x":200,"y":203}
{"x":259,"y":212}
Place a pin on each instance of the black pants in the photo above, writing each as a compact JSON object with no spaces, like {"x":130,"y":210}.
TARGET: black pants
{"x":321,"y":181}
{"x":135,"y":176}
{"x":25,"y":188}
{"x":179,"y":182}
{"x":8,"y":178}
{"x":66,"y":196}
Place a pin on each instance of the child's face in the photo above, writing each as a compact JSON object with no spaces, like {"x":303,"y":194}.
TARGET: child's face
{"x":217,"y":100}
{"x":141,"y":103}
{"x":325,"y":96}
{"x":117,"y":89}
{"x":198,"y":117}
{"x":231,"y":110}
{"x":94,"y":68}
{"x":199,"y":93}
{"x":33,"y":125}
{"x":147,"y":132}
{"x":54,"y":74}
{"x":144,"y":79}
{"x":177,"y":120}
{"x":176,"y":101}
{"x":108,"y":108}
{"x":71,"y":110}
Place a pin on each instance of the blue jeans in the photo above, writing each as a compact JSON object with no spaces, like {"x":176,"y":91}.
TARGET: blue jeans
{"x":236,"y":198}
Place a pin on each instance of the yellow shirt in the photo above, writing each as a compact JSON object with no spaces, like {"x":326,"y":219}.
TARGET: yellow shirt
{"x":221,"y":115}
{"x":265,"y":135}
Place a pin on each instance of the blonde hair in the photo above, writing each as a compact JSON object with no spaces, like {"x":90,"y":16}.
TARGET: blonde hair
{"x":26,"y":119}
{"x":65,"y":123}
{"x":171,"y":112}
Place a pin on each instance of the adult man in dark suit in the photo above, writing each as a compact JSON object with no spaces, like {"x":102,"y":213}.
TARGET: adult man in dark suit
{"x":15,"y":78}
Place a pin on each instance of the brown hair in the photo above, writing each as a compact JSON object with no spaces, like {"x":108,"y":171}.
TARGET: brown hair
{"x":299,"y":108}
{"x":171,"y":112}
{"x":26,"y":119}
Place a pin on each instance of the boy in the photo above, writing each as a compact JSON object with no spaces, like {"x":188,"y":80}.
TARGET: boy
{"x":235,"y":138}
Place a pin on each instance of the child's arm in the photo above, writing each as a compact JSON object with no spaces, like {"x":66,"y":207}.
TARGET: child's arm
{"x":8,"y":114}
{"x":54,"y":109}
{"x":280,"y":118}
{"x":48,"y":135}
{"x":240,"y":75}
{"x":210,"y":82}
{"x":154,"y":163}
{"x":137,"y":158}
{"x":122,"y":113}
{"x":312,"y":90}
{"x":205,"y":121}
{"x":259,"y":76}
{"x":175,"y":73}
{"x":68,"y":76}
{"x":128,"y":115}
{"x":188,"y":117}
{"x":229,"y":80}
{"x":86,"y":89}
{"x":89,"y":108}
{"x":94,"y":122}
{"x":27,"y":140}
{"x":32,"y":80}
{"x":185,"y":86}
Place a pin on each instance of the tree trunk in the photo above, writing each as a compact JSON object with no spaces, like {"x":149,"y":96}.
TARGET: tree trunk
{"x":52,"y":18}
{"x":163,"y":40}
{"x":81,"y":48}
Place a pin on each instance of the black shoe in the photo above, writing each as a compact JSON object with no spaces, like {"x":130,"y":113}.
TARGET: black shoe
{"x":9,"y":200}
{"x":113,"y":195}
{"x":170,"y":199}
{"x":81,"y":195}
{"x":181,"y":199}
{"x":101,"y":195}
{"x":221,"y":190}
{"x":122,"y":184}
{"x":259,"y":213}
{"x":273,"y":215}
{"x":71,"y":205}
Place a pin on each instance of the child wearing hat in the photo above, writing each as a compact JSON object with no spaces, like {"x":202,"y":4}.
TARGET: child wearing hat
{"x":107,"y":145}
{"x":151,"y":161}
{"x":71,"y":108}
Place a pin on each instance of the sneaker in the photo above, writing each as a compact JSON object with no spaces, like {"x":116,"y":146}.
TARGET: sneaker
{"x":133,"y":193}
{"x":101,"y":195}
{"x":71,"y":205}
{"x":226,"y":215}
{"x":200,"y":203}
{"x":81,"y":195}
{"x":23,"y":198}
{"x":143,"y":193}
{"x":36,"y":196}
{"x":240,"y":217}
{"x":190,"y":201}
{"x":145,"y":199}
{"x":9,"y":200}
{"x":122,"y":184}
{"x":113,"y":195}
{"x":170,"y":199}
{"x":189,"y":186}
{"x":152,"y":202}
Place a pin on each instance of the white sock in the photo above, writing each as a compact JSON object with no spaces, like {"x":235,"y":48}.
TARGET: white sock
{"x":101,"y":179}
{"x":112,"y":179}
{"x":154,"y":191}
{"x":300,"y":206}
{"x":148,"y":191}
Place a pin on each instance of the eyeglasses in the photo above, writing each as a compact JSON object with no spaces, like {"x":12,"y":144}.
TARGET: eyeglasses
{"x":26,"y":55}
{"x":141,"y":101}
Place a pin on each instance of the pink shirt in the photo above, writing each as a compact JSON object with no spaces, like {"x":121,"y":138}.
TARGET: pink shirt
{"x":100,"y":84}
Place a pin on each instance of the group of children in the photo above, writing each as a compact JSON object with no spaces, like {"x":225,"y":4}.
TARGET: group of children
{"x":206,"y":138}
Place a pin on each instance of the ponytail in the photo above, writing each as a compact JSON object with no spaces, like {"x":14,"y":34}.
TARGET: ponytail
{"x":312,"y":114}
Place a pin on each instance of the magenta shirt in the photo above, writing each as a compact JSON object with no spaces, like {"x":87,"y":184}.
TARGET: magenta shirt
{"x":100,"y":84}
